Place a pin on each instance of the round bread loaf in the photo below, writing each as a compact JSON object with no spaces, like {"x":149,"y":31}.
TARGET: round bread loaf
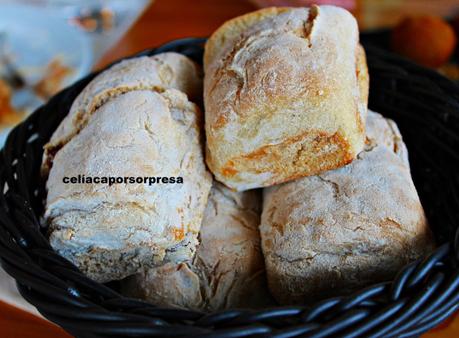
{"x":285,"y":93}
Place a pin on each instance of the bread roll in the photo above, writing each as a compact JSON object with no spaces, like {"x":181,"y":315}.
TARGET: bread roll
{"x":228,"y":270}
{"x":285,"y":92}
{"x":111,"y":232}
{"x":330,"y":234}
{"x":158,"y":73}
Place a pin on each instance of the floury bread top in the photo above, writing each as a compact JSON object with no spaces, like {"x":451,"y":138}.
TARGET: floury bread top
{"x":285,"y":94}
{"x":334,"y":233}
{"x":228,"y":268}
{"x":131,"y":120}
{"x":156,"y":73}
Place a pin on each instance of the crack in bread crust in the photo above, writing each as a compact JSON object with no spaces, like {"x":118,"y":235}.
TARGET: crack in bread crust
{"x":157,"y":73}
{"x":82,"y":118}
{"x":129,"y":118}
{"x":278,"y":74}
{"x":228,"y":268}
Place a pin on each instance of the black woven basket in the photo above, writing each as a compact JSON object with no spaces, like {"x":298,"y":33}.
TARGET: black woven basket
{"x":426,"y":107}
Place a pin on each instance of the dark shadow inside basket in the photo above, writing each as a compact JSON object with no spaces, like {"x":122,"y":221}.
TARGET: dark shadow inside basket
{"x":425,"y":106}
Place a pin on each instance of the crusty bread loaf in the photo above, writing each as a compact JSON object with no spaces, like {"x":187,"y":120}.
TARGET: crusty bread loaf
{"x":285,"y":93}
{"x":158,"y":73}
{"x":330,"y":234}
{"x":228,"y":269}
{"x":111,"y":232}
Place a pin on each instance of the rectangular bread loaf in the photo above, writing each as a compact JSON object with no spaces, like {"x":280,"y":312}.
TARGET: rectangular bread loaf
{"x":330,"y":234}
{"x":121,"y":128}
{"x":285,"y":93}
{"x":228,"y":269}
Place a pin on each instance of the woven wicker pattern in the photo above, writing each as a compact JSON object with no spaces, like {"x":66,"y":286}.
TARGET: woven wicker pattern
{"x":426,"y":108}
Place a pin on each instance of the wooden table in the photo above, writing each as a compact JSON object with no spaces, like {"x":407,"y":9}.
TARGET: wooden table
{"x":163,"y":21}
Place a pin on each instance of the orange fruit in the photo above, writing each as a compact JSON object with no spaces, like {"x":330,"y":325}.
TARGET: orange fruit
{"x":427,"y":40}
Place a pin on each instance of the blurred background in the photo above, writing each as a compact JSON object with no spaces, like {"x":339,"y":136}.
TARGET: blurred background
{"x":46,"y":45}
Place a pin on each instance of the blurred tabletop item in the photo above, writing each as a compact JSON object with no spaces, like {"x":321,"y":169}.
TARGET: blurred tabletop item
{"x":45,"y":45}
{"x":103,"y":22}
{"x":29,"y":72}
{"x":162,"y":21}
{"x":387,"y":13}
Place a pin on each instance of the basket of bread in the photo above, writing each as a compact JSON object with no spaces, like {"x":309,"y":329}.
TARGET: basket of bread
{"x":253,"y":184}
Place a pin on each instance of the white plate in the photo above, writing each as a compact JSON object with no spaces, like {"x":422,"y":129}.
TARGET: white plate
{"x":35,"y":36}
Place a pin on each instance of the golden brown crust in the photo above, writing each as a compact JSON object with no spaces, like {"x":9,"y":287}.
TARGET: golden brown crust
{"x":275,"y":78}
{"x":275,"y":158}
{"x":363,"y":79}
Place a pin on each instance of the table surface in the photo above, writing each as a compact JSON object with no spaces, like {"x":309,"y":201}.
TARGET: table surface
{"x":166,"y":20}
